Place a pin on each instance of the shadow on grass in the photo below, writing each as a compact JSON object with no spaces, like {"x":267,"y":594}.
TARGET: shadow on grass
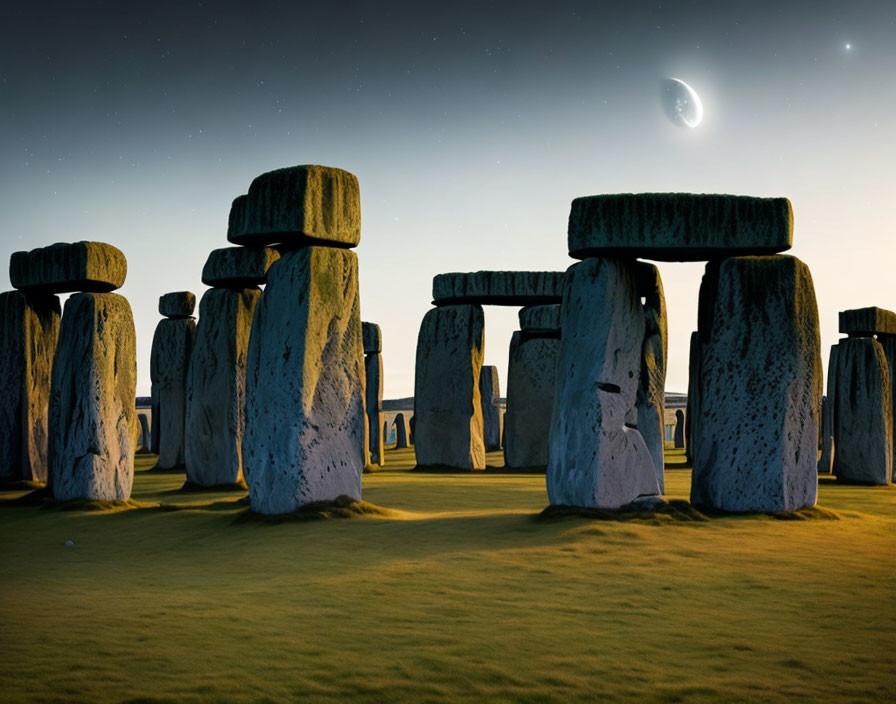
{"x":679,"y":510}
{"x":676,"y":510}
{"x":343,"y":507}
{"x":190,"y":487}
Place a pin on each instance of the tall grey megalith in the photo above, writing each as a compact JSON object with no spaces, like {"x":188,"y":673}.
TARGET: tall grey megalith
{"x":597,"y":459}
{"x":305,"y":420}
{"x":760,"y":360}
{"x":29,"y":331}
{"x":447,"y":426}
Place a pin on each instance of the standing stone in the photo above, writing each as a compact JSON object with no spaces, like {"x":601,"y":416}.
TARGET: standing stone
{"x":531,"y":384}
{"x":216,"y":387}
{"x":144,"y":433}
{"x":93,"y":420}
{"x":305,"y":417}
{"x":154,"y":428}
{"x":863,"y":413}
{"x":402,"y":431}
{"x":373,"y":338}
{"x":651,"y":396}
{"x":679,"y":428}
{"x":412,"y":424}
{"x":447,"y":421}
{"x":489,"y":392}
{"x":373,"y":371}
{"x":172,"y":345}
{"x":29,"y":330}
{"x":889,"y":345}
{"x":760,"y":392}
{"x":596,"y":458}
{"x":693,"y":402}
{"x":385,"y":433}
{"x":828,"y":444}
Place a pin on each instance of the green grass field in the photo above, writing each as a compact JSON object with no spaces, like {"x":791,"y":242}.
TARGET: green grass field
{"x":459,"y":593}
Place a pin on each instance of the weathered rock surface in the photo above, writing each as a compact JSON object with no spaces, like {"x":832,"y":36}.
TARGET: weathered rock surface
{"x":679,"y":429}
{"x":373,"y":374}
{"x":238,"y":268}
{"x":216,"y":387}
{"x":29,"y":330}
{"x":305,"y":418}
{"x":889,"y":344}
{"x":144,"y":438}
{"x":373,"y":338}
{"x":760,"y":389}
{"x":828,"y":445}
{"x":511,"y":288}
{"x":865,"y":322}
{"x":93,"y":421}
{"x":540,"y":319}
{"x":298,"y":206}
{"x":64,"y":268}
{"x":236,"y":222}
{"x":402,"y":431}
{"x":651,"y":397}
{"x":678,"y":226}
{"x":177,"y":304}
{"x":447,"y":423}
{"x":693,"y":402}
{"x":531,"y":384}
{"x":489,"y":392}
{"x":172,"y":345}
{"x":596,"y":459}
{"x":863,"y":413}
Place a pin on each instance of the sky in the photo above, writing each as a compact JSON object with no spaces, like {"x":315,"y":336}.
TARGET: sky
{"x":470,"y":125}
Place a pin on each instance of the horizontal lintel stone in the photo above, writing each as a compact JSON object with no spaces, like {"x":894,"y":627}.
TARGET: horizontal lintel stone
{"x":507,"y":288}
{"x":89,"y":267}
{"x":238,"y":267}
{"x":865,"y":322}
{"x":678,"y":227}
{"x":299,"y":206}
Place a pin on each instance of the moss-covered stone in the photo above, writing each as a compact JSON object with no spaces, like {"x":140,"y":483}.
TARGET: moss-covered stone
{"x":298,"y":206}
{"x":678,"y":226}
{"x":66,"y":268}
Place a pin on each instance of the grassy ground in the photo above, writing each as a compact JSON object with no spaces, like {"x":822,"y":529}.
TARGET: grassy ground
{"x":460,"y":593}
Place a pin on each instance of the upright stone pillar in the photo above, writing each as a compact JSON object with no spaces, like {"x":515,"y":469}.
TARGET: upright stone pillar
{"x":92,"y":416}
{"x":531,"y":384}
{"x":489,"y":392}
{"x":761,"y":361}
{"x":863,"y":413}
{"x":597,"y":459}
{"x":828,"y":446}
{"x":29,"y":331}
{"x":447,"y":405}
{"x":693,"y":402}
{"x":373,"y":371}
{"x":172,"y":345}
{"x":402,"y":431}
{"x":889,"y":344}
{"x":305,"y":383}
{"x":651,"y":397}
{"x":679,"y":429}
{"x":305,"y":421}
{"x":216,"y":387}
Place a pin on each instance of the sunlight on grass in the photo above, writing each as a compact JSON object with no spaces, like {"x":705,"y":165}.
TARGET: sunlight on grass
{"x":451,"y":588}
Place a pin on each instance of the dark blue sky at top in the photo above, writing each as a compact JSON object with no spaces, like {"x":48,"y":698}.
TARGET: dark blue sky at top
{"x":471,"y":126}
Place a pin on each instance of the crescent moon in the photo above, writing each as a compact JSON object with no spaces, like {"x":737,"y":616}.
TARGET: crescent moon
{"x":681,"y":102}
